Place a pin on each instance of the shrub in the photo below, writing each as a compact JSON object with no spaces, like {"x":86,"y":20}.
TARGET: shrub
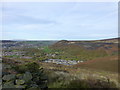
{"x":28,"y":76}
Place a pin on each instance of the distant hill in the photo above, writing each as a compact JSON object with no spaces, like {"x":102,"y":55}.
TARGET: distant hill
{"x":90,"y":43}
{"x":99,"y":54}
{"x":87,"y":50}
{"x":7,"y":41}
{"x":112,"y":40}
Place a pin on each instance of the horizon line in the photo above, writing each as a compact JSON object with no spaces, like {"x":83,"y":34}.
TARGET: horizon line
{"x":58,"y":39}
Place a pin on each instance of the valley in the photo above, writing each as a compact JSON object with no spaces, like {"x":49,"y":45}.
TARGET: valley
{"x":61,"y":64}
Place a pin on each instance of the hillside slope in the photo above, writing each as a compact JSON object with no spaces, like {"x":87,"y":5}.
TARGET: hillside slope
{"x":106,"y":64}
{"x":86,"y":50}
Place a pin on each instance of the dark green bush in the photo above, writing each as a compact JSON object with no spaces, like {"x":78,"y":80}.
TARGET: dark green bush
{"x":31,"y":67}
{"x":28,"y":76}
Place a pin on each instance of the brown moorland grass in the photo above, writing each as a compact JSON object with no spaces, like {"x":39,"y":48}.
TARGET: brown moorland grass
{"x":88,"y":75}
{"x":109,"y":63}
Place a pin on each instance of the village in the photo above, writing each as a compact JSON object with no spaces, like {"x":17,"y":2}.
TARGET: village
{"x":12,"y":50}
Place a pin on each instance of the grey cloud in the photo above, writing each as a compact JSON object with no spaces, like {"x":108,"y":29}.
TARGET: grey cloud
{"x":17,"y":19}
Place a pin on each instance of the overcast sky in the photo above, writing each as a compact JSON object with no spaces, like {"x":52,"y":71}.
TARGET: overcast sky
{"x":59,"y":20}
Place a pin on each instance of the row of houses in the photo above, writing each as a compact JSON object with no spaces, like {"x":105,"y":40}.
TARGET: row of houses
{"x":64,"y":62}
